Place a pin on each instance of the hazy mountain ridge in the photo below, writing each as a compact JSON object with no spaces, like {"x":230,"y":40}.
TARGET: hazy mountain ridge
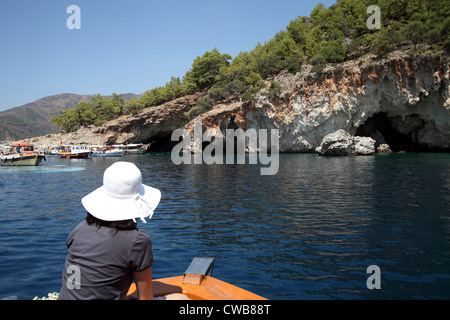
{"x":32,"y":119}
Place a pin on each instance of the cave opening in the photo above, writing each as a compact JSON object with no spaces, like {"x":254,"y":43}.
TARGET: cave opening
{"x":162,"y":143}
{"x":384,"y":129}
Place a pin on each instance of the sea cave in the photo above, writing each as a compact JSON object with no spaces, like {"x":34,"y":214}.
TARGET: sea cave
{"x":400,"y":133}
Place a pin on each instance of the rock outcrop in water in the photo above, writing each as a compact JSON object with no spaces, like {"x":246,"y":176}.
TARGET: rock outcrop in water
{"x":341,"y":143}
{"x":402,"y":101}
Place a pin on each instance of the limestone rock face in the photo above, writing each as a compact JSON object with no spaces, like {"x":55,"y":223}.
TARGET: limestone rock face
{"x":401,"y":100}
{"x":341,"y":143}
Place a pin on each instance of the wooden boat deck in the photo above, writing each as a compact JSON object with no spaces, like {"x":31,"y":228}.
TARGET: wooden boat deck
{"x":198,"y":284}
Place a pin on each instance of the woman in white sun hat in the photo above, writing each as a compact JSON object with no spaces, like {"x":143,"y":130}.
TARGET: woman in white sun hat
{"x":107,"y":251}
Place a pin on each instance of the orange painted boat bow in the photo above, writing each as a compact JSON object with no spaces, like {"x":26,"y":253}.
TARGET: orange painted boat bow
{"x":198,"y":284}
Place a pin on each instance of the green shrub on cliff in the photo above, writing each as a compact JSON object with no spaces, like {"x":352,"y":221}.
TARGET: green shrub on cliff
{"x":274,"y":89}
{"x":205,"y":69}
{"x":281,"y":52}
{"x":96,"y":111}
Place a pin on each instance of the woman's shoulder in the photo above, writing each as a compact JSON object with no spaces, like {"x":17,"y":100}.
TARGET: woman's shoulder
{"x":136,"y":236}
{"x":82,"y":225}
{"x":78,"y":232}
{"x":142,"y":233}
{"x":142,"y":237}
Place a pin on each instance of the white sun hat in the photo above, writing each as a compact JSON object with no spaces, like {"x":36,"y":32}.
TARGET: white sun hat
{"x":122,"y":196}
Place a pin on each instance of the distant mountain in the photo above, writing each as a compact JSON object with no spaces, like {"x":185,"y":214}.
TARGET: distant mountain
{"x":32,"y":119}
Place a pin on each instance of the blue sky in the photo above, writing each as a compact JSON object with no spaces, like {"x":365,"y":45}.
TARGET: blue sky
{"x":124,"y":45}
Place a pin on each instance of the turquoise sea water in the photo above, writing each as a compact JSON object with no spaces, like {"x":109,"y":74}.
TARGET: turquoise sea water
{"x":308,"y":232}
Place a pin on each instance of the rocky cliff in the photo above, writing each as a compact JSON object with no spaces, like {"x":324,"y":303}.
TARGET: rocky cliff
{"x":153,"y":124}
{"x":402,"y":100}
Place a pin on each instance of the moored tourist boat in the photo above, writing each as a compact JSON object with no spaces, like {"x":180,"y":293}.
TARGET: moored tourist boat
{"x":20,"y":154}
{"x":75,"y":152}
{"x":197,"y":283}
{"x":55,"y":150}
{"x":106,"y":152}
{"x":133,"y":148}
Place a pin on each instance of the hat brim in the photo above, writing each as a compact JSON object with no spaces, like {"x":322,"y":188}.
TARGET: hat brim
{"x":107,"y":208}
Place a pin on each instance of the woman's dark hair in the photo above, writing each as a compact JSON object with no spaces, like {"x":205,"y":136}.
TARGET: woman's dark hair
{"x":118,"y":225}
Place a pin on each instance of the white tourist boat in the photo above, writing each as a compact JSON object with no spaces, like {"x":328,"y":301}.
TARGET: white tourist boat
{"x":75,"y":152}
{"x":133,"y":148}
{"x":55,"y":150}
{"x":108,"y":151}
{"x":20,"y":154}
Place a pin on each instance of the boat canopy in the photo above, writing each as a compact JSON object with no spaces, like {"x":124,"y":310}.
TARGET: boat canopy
{"x":21,"y":144}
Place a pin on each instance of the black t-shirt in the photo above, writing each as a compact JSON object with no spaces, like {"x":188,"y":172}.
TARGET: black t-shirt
{"x":101,"y":262}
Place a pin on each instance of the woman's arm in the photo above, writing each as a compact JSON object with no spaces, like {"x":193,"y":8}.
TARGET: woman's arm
{"x":143,"y":281}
